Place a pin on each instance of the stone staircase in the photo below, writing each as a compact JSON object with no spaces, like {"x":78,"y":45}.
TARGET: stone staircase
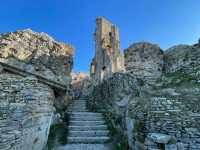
{"x":87,"y":130}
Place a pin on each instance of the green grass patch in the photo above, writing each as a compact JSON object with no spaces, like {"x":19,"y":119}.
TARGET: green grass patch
{"x":59,"y":132}
{"x":172,"y":141}
{"x":118,"y":139}
{"x":179,"y":78}
{"x":137,"y":131}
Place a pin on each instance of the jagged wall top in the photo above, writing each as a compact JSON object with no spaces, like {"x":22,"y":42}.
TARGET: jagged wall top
{"x":38,"y":53}
{"x":107,"y":50}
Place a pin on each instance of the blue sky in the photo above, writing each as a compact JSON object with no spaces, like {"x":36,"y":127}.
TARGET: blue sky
{"x":164,"y":22}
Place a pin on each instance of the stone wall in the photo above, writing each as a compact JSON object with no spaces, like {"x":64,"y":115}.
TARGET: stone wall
{"x":112,"y":97}
{"x":107,"y":59}
{"x":26,"y":110}
{"x":182,"y":56}
{"x":27,"y":106}
{"x":162,"y":116}
{"x":37,"y":53}
{"x":144,"y":61}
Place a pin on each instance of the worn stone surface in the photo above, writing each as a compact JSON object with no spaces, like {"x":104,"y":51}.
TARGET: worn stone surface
{"x":169,"y":107}
{"x":26,"y":109}
{"x":182,"y":57}
{"x":107,"y":59}
{"x":144,"y":60}
{"x":112,"y":97}
{"x":84,"y":147}
{"x":27,"y":106}
{"x":159,"y":138}
{"x":37,"y":53}
{"x":162,"y":115}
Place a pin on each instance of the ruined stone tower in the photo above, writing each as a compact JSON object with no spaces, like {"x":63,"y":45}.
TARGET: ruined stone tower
{"x":107,"y":58}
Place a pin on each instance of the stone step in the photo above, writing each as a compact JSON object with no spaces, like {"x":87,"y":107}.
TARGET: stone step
{"x":92,"y":133}
{"x":101,"y":139}
{"x":86,"y":128}
{"x":84,"y":147}
{"x":86,"y":123}
{"x":87,"y":118}
{"x":70,"y":111}
{"x":75,"y":114}
{"x":74,"y":104}
{"x":77,"y":107}
{"x":79,"y":101}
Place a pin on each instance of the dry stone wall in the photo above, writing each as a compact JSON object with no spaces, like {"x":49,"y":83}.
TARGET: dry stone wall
{"x":144,"y":61}
{"x":162,"y":116}
{"x":27,"y":106}
{"x":26,"y":110}
{"x":182,"y":57}
{"x":148,"y":61}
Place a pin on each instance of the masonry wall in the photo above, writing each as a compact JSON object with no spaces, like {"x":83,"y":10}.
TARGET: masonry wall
{"x":27,"y":106}
{"x":26,"y":112}
{"x":107,"y":57}
{"x":182,"y":57}
{"x":144,"y":61}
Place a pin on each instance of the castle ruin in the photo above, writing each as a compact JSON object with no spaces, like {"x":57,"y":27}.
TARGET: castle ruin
{"x":107,"y":58}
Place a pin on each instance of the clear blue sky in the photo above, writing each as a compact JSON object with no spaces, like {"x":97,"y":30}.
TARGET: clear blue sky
{"x":165,"y":22}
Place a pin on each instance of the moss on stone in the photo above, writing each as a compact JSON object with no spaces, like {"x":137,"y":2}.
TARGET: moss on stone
{"x":172,"y":141}
{"x":123,"y":145}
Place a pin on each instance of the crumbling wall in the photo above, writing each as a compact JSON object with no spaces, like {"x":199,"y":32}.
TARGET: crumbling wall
{"x":182,"y":57}
{"x":112,"y":97}
{"x":107,"y":58}
{"x":162,"y":116}
{"x":37,"y":53}
{"x":27,"y":106}
{"x":144,"y":61}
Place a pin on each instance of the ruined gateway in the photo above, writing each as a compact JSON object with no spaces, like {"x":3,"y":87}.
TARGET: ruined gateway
{"x":146,"y":99}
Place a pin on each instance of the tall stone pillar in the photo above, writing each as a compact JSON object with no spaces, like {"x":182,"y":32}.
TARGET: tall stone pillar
{"x":107,"y":59}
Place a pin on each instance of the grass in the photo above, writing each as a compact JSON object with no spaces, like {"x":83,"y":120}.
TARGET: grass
{"x":57,"y":131}
{"x":172,"y":141}
{"x":179,"y":78}
{"x":138,"y":130}
{"x":119,"y":140}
